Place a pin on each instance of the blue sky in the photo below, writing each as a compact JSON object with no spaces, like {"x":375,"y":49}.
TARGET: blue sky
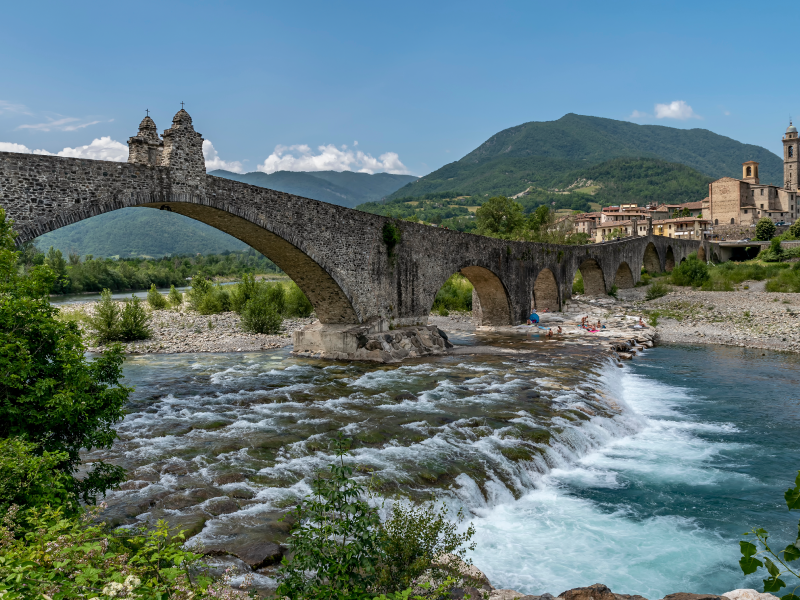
{"x":416,"y":84}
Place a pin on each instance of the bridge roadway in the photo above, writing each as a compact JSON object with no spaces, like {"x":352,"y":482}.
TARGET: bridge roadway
{"x":336,"y":255}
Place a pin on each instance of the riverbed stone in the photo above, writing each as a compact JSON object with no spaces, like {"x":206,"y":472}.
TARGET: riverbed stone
{"x":749,"y":594}
{"x":688,"y":596}
{"x":598,"y":591}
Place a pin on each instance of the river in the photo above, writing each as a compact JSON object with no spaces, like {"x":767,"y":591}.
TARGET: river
{"x":572,"y":470}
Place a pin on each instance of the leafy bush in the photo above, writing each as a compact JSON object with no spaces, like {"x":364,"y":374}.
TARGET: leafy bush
{"x":391,"y":235}
{"x":340,"y":549}
{"x":33,"y":480}
{"x":105,"y":321}
{"x":50,"y":394}
{"x":765,"y":229}
{"x":207,"y":298}
{"x":413,"y":538}
{"x":175,"y":297}
{"x":260,"y":315}
{"x":156,"y":300}
{"x":64,"y":558}
{"x":297,"y":304}
{"x":788,"y":280}
{"x":656,"y":290}
{"x":274,"y":294}
{"x":690,"y":272}
{"x":455,"y":294}
{"x":134,"y":323}
{"x":750,"y":562}
{"x":613,"y":291}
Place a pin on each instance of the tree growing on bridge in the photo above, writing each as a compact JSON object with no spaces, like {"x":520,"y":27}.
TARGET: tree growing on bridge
{"x":765,"y":229}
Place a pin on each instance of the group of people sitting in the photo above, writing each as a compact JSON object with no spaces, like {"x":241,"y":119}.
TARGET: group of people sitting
{"x":588,"y":326}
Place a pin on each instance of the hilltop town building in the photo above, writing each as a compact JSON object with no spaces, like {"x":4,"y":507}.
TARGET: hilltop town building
{"x":744,"y":201}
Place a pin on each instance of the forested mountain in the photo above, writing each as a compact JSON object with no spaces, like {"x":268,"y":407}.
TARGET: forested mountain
{"x":148,"y":232}
{"x":344,"y":188}
{"x":540,"y":154}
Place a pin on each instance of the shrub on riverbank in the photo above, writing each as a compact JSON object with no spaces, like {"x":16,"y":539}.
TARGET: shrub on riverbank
{"x":112,"y":324}
{"x":656,"y":290}
{"x":156,"y":300}
{"x":787,"y":280}
{"x":690,"y":272}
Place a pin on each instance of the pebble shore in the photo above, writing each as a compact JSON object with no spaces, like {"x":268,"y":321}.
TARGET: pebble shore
{"x":179,"y":331}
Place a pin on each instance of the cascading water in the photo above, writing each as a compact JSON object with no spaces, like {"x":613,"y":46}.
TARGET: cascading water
{"x":573,"y":471}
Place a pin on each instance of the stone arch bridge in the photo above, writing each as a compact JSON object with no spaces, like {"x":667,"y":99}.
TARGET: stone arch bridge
{"x":336,"y":255}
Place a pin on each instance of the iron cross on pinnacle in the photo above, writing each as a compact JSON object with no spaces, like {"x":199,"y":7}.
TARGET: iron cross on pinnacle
{"x":181,"y":105}
{"x":147,"y":110}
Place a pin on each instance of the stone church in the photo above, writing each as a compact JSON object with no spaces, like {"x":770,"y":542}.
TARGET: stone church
{"x":742,"y":202}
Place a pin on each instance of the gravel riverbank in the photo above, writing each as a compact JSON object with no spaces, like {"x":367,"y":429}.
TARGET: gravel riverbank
{"x":187,"y":331}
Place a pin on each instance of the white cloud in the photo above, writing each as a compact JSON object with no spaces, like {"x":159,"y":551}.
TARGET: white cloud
{"x":677,"y":109}
{"x":213,"y":161}
{"x":300,"y":157}
{"x":100,"y":149}
{"x":9,"y":107}
{"x":63,"y":124}
{"x":638,"y":115}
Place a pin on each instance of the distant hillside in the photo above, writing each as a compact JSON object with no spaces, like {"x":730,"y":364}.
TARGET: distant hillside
{"x":344,"y":188}
{"x":639,"y":180}
{"x":147,"y":232}
{"x":542,"y":153}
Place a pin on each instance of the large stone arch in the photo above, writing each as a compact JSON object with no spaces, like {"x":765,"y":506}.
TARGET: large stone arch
{"x":545,"y":291}
{"x":594,"y":283}
{"x":669,"y":261}
{"x":624,"y":277}
{"x":328,"y":296}
{"x":650,"y":259}
{"x":490,"y":301}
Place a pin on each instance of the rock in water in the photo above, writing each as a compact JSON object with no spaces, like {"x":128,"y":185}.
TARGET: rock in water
{"x":598,"y":591}
{"x":686,"y":596}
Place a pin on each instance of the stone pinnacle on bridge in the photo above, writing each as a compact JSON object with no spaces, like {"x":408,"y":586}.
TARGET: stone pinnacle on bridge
{"x":183,"y":153}
{"x":145,"y":147}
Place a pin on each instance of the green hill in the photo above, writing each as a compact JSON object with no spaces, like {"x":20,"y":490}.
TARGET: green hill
{"x":344,"y":188}
{"x":541,"y":154}
{"x":147,"y":232}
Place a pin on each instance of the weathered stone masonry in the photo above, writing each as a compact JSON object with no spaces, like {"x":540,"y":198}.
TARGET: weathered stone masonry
{"x":336,"y":255}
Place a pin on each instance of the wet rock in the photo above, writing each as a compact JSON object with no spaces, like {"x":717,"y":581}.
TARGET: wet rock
{"x":598,"y":591}
{"x":225,"y":478}
{"x":180,"y":500}
{"x":221,"y":506}
{"x":404,"y":396}
{"x":256,"y":540}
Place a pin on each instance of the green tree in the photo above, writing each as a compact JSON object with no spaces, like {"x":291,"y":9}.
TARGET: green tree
{"x":156,"y":300}
{"x":500,"y":217}
{"x":50,"y":394}
{"x":765,"y":229}
{"x":175,"y":297}
{"x":690,"y":272}
{"x":56,"y":262}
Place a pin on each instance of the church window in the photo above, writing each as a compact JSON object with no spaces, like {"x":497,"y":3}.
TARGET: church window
{"x":732,"y":221}
{"x":749,"y":171}
{"x":791,"y":151}
{"x":716,"y":221}
{"x":762,"y":191}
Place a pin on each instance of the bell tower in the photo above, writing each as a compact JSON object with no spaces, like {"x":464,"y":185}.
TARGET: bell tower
{"x":791,"y":158}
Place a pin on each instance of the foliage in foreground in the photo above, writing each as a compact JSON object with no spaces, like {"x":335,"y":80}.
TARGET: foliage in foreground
{"x":340,"y":548}
{"x":51,"y":396}
{"x":61,"y":557}
{"x":776,"y":562}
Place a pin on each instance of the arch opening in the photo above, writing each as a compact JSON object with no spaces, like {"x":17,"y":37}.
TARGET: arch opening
{"x":490,"y":301}
{"x":669,"y":263}
{"x":545,"y":291}
{"x":594,"y":283}
{"x":650,"y":259}
{"x":624,"y":277}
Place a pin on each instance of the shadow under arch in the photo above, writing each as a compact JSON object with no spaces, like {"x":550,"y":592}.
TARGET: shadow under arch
{"x":624,"y":277}
{"x":332,"y":304}
{"x":650,"y":259}
{"x":669,"y":262}
{"x":594,"y":283}
{"x":490,"y":301}
{"x":545,"y":291}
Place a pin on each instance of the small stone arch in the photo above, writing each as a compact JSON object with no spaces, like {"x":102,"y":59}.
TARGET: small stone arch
{"x":714,"y":257}
{"x":733,"y":221}
{"x":669,"y":263}
{"x":594,"y":283}
{"x":545,"y":291}
{"x":624,"y":277}
{"x":490,"y":302}
{"x":650,"y":259}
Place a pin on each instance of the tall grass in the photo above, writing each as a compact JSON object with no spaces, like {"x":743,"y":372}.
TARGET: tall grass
{"x":455,"y":294}
{"x":787,"y":280}
{"x":725,"y":276}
